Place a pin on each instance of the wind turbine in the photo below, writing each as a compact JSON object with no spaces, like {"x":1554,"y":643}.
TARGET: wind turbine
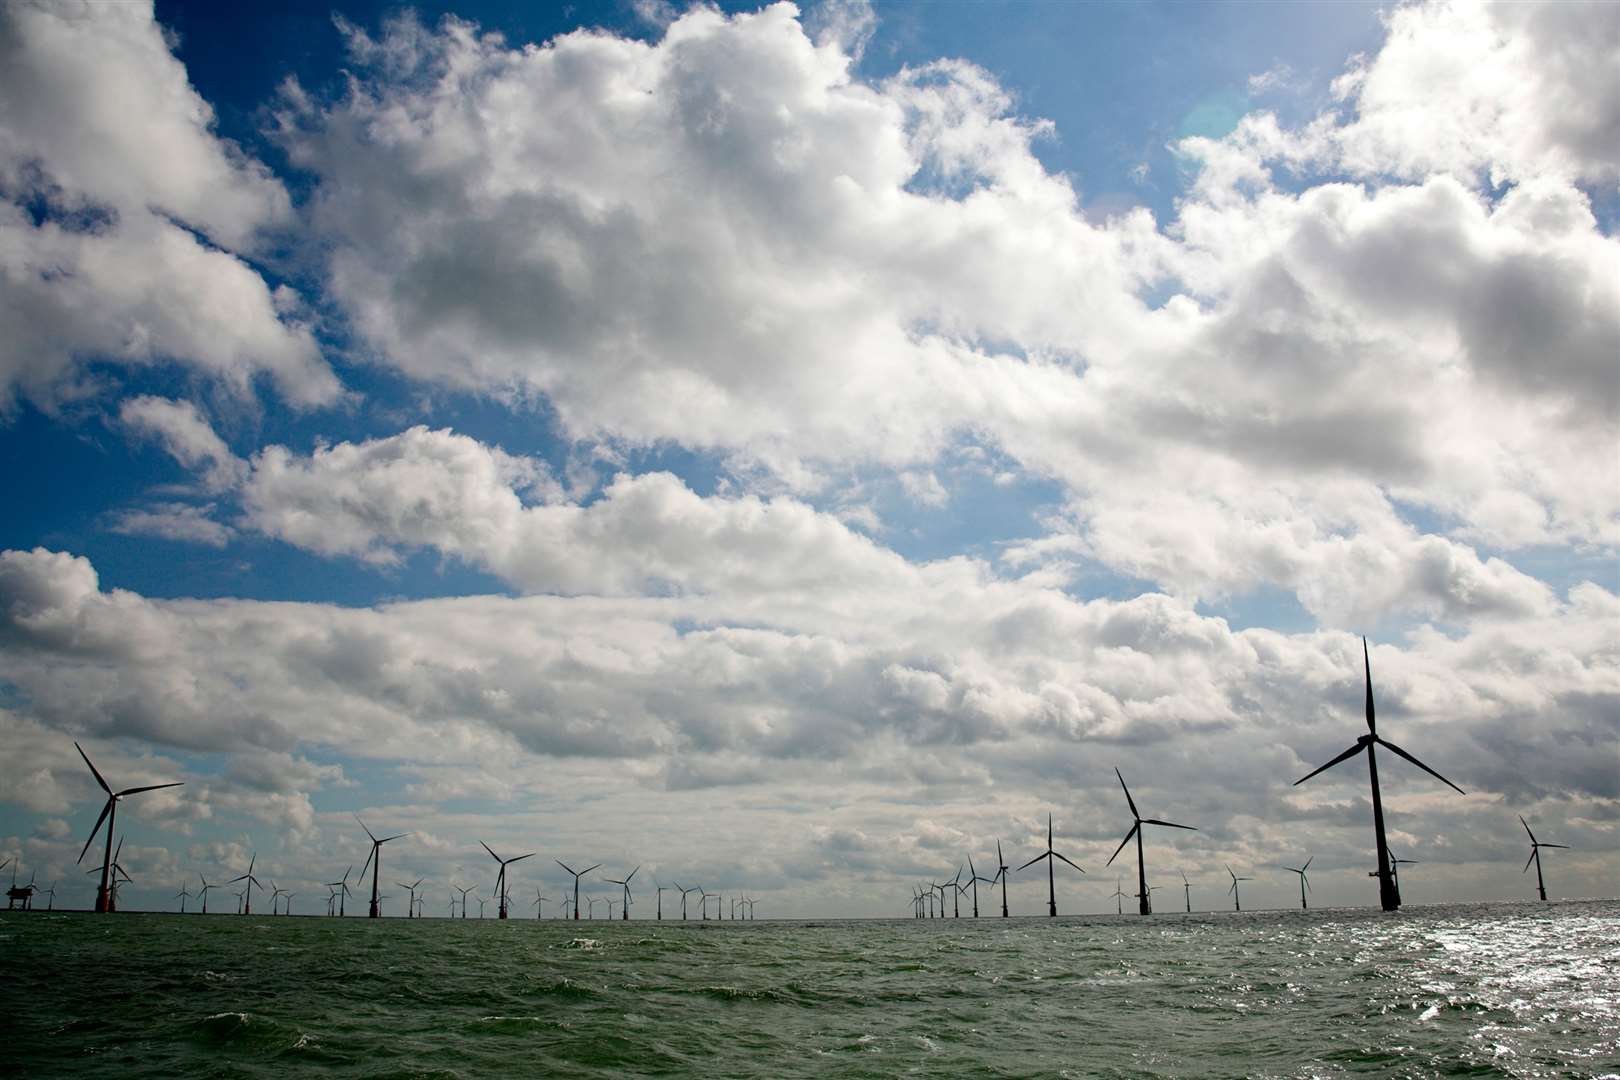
{"x":1049,"y":855}
{"x":591,"y":902}
{"x":1304,"y":882}
{"x":247,"y":905}
{"x":203,"y":892}
{"x":109,"y":811}
{"x":974,"y":879}
{"x":660,"y":889}
{"x":342,"y":888}
{"x":411,"y":907}
{"x":1389,"y":894}
{"x":1001,"y":872}
{"x":275,"y":895}
{"x":464,"y":893}
{"x":183,"y":895}
{"x":481,"y":903}
{"x":374,"y":860}
{"x":51,"y":892}
{"x":627,"y":901}
{"x":1187,"y":885}
{"x":703,"y":903}
{"x":956,"y":894}
{"x":1119,"y":896}
{"x":1144,"y":894}
{"x":539,"y":904}
{"x":1395,"y":867}
{"x":289,"y":896}
{"x":1535,"y":856}
{"x":500,"y":878}
{"x":1237,"y":900}
{"x":577,"y":875}
{"x":684,"y":893}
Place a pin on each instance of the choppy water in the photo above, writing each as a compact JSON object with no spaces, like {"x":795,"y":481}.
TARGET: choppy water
{"x":1490,"y":990}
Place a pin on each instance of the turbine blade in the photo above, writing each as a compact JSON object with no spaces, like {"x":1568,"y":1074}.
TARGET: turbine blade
{"x":1566,"y":847}
{"x":565,"y":866}
{"x":1128,"y":798}
{"x":1372,"y":722}
{"x":1350,"y":753}
{"x":1121,"y":847}
{"x":1065,"y":859}
{"x":93,"y":768}
{"x":1528,"y":861}
{"x":368,"y":831}
{"x":1307,"y":865}
{"x":1526,"y":825}
{"x":491,"y":851}
{"x":588,"y":869}
{"x":520,"y":858}
{"x":106,"y":808}
{"x":632,"y":873}
{"x":149,"y":787}
{"x":1036,"y":859}
{"x":396,"y":836}
{"x":1395,"y":749}
{"x":1167,"y":824}
{"x":367,"y":863}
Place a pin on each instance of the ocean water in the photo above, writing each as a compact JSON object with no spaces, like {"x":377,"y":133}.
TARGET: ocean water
{"x":1515,"y":990}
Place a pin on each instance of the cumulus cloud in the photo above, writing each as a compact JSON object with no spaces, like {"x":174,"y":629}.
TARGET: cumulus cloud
{"x":124,"y":217}
{"x":727,"y":239}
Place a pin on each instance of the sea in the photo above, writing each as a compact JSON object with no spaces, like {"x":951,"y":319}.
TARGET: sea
{"x":1477,"y":990}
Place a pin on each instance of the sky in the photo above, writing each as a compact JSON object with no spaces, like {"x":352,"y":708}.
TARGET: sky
{"x":792,"y":450}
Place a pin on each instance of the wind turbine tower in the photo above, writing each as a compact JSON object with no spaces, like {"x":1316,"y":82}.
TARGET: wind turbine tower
{"x":1145,"y":896}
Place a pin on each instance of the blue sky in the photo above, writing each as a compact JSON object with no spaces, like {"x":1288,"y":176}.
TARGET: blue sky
{"x":870,"y":424}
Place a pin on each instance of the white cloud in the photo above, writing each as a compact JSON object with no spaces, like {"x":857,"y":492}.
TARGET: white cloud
{"x":173,"y":521}
{"x":186,"y":435}
{"x":99,"y":126}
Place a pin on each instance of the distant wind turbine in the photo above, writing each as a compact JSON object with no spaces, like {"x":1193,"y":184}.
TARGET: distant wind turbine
{"x":684,"y":893}
{"x":577,"y":875}
{"x":183,"y":895}
{"x":203,"y":892}
{"x":500,"y":878}
{"x":660,"y":889}
{"x":109,"y":813}
{"x":1049,"y":855}
{"x":342,"y":888}
{"x":627,"y":901}
{"x":974,"y":879}
{"x":374,"y":860}
{"x":1389,"y":894}
{"x":1304,"y":882}
{"x":1119,"y":895}
{"x":247,"y":902}
{"x":1001,"y":873}
{"x":1535,"y":856}
{"x":1237,"y":900}
{"x":1187,"y":885}
{"x":1144,"y":894}
{"x":464,"y":893}
{"x":411,"y":906}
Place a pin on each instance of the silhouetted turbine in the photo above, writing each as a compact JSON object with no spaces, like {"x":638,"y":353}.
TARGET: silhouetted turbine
{"x":1389,"y":895}
{"x":1237,"y":900}
{"x":974,"y":878}
{"x":342,"y":888}
{"x":247,"y":902}
{"x":1304,"y":882}
{"x":500,"y":878}
{"x":1535,"y":856}
{"x":577,"y":876}
{"x":109,"y":812}
{"x":1143,"y":892}
{"x":1119,"y":896}
{"x":410,"y":911}
{"x":203,"y":892}
{"x":1001,"y":872}
{"x":183,"y":895}
{"x":1049,"y":855}
{"x":684,"y":894}
{"x":1187,"y":885}
{"x":374,"y":860}
{"x":627,"y":901}
{"x":464,"y":893}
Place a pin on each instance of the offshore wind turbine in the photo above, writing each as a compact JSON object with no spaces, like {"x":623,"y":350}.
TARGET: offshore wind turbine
{"x":577,"y":875}
{"x":974,"y":878}
{"x":956,"y":894}
{"x":342,"y":888}
{"x":500,"y":878}
{"x":1143,"y":892}
{"x":1001,"y":872}
{"x":1535,"y":856}
{"x":374,"y":860}
{"x":1050,"y":855}
{"x":660,"y":889}
{"x":1119,"y":895}
{"x":1389,"y":894}
{"x":464,"y":893}
{"x":183,"y":895}
{"x":275,"y":896}
{"x":410,"y":908}
{"x":684,"y":893}
{"x":247,"y":904}
{"x":1304,"y":882}
{"x":1237,"y":900}
{"x":627,"y":900}
{"x":109,"y":812}
{"x":203,"y":892}
{"x":539,"y":904}
{"x":1187,"y":885}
